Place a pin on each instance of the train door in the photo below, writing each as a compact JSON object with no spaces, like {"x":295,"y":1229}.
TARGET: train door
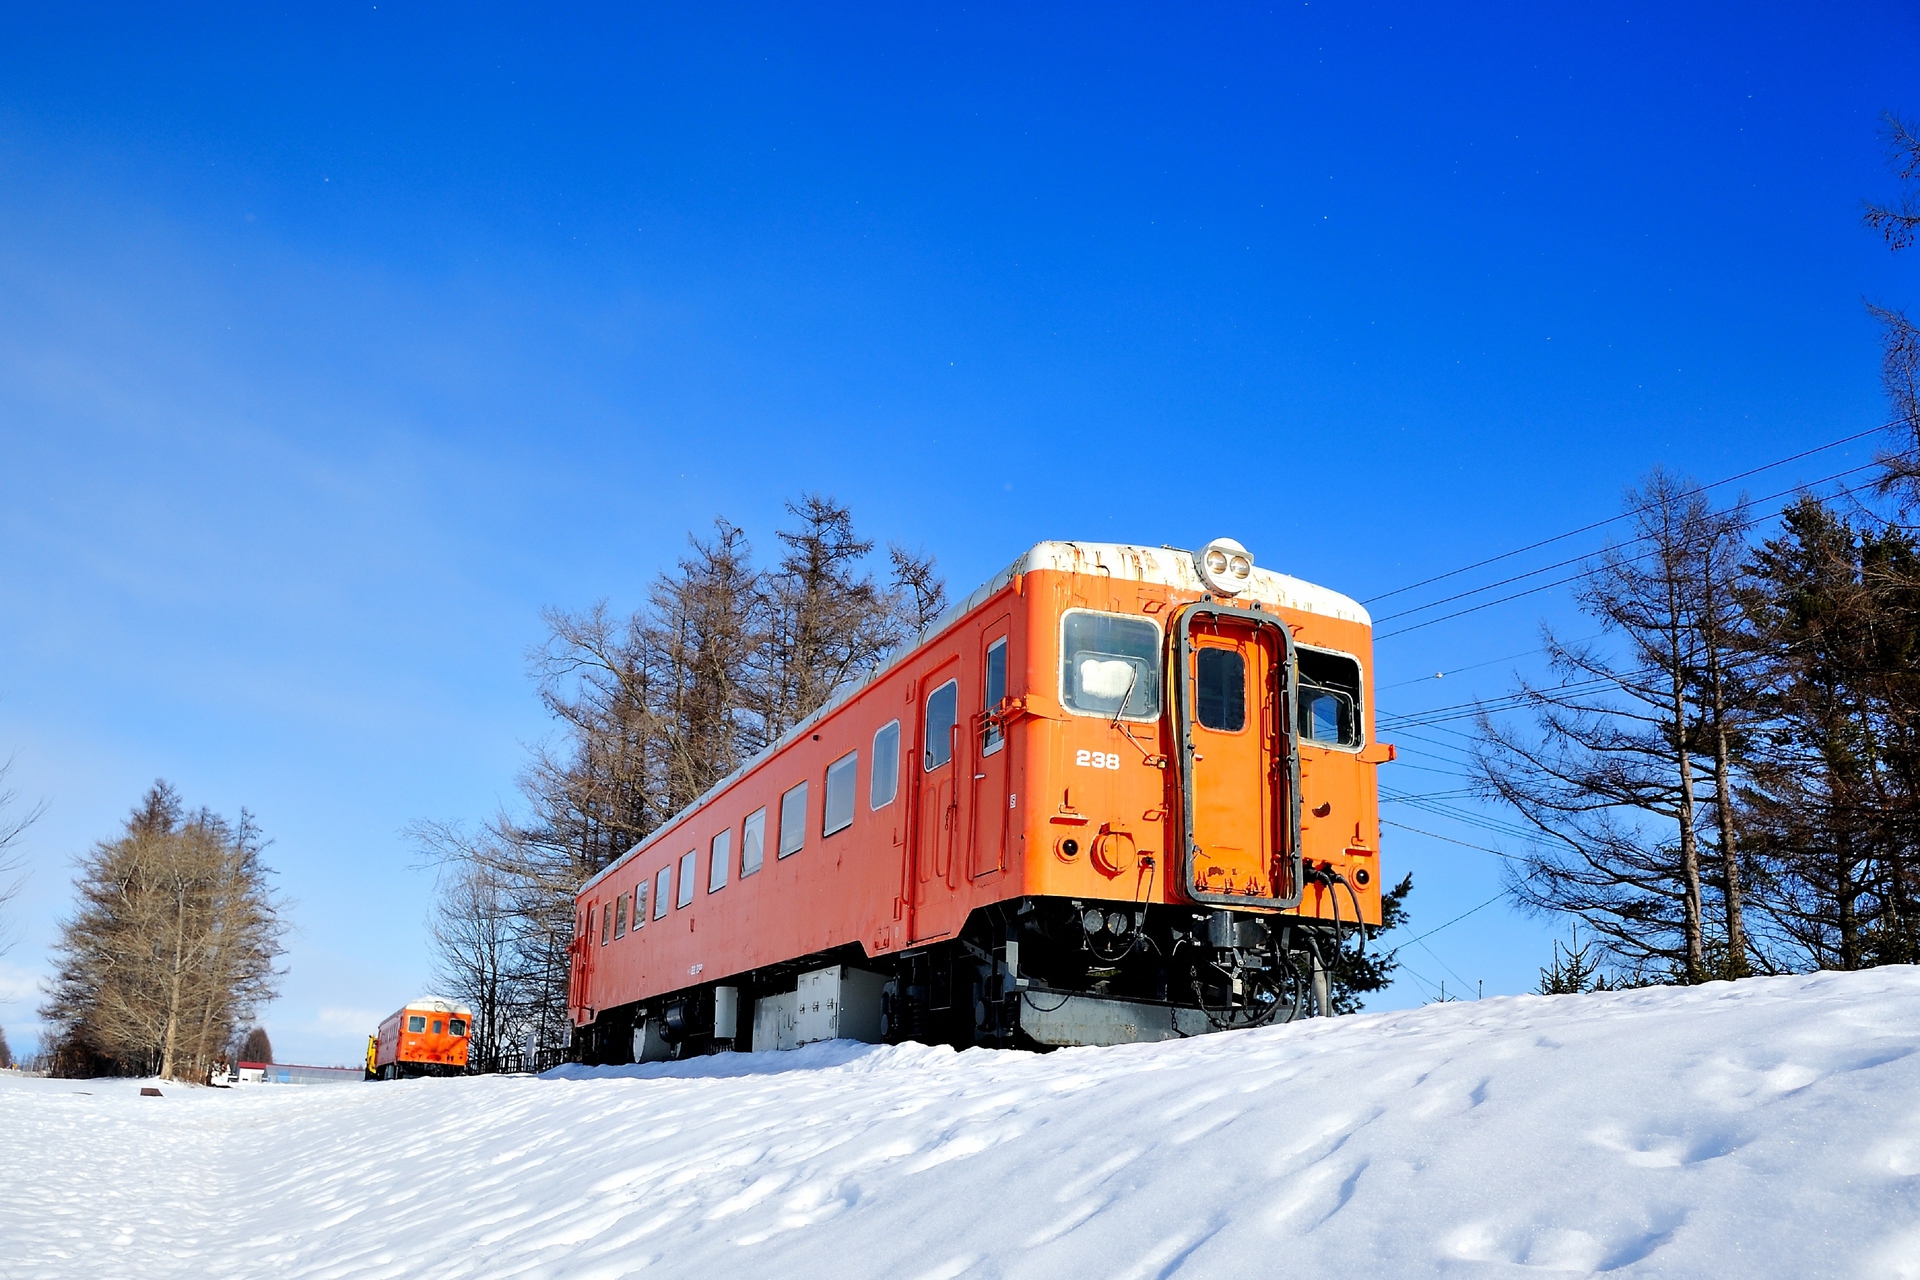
{"x":992,"y":770}
{"x":936,"y":808}
{"x":1239,"y":770}
{"x":582,"y":959}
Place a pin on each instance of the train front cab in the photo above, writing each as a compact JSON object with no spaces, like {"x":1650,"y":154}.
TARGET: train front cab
{"x":1207,"y":829}
{"x":430,"y":1036}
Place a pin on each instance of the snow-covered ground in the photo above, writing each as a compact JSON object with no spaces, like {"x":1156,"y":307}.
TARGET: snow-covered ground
{"x":1769,"y":1128}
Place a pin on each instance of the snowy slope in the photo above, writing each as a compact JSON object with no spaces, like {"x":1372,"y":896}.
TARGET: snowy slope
{"x":1771,"y":1128}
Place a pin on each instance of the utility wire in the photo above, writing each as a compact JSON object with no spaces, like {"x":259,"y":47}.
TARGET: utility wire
{"x":1448,"y":925}
{"x":1561,"y":564}
{"x":1561,"y":582}
{"x":1465,"y":844}
{"x":1601,"y":524}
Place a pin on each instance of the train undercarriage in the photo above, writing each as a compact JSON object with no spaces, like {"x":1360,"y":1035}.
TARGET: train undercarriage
{"x":1034,"y":973}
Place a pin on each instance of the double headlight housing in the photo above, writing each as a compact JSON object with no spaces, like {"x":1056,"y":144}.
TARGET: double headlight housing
{"x":1225,"y":566}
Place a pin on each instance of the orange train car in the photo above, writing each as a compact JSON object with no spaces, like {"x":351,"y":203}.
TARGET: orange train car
{"x":1119,"y":793}
{"x":425,"y":1037}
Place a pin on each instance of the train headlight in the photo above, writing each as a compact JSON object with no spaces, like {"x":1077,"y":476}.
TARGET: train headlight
{"x":1093,"y":920}
{"x":1118,"y":924}
{"x":1225,"y":566}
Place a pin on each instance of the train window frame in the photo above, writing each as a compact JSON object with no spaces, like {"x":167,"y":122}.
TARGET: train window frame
{"x":927,"y":763}
{"x":793,"y":820}
{"x":640,"y":904}
{"x":456,"y":1026}
{"x":719,"y":855}
{"x":992,"y":736}
{"x":837,"y":800}
{"x":606,"y":922}
{"x":689,"y":864}
{"x":416,"y":1024}
{"x":1200,"y":705}
{"x":1358,"y":695}
{"x":753,"y":842}
{"x":662,"y":890}
{"x":889,"y":755}
{"x":1151,"y":715}
{"x":620,"y":917}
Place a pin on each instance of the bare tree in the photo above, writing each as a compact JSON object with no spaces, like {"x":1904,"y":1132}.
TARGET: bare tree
{"x":653,"y":709}
{"x":12,"y":869}
{"x":921,"y":595}
{"x":1899,"y":223}
{"x":473,"y":928}
{"x":173,"y":943}
{"x":1608,"y":777}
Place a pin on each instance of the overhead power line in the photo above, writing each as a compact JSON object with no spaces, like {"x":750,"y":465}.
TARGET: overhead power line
{"x":1575,"y":577}
{"x":1601,"y":524}
{"x":1561,"y":564}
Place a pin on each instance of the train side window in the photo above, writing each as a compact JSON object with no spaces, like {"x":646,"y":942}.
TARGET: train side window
{"x":606,"y":922}
{"x":1329,"y":698}
{"x":992,"y":738}
{"x":456,"y":1026}
{"x":753,"y":842}
{"x":1109,"y":665}
{"x":620,"y":916}
{"x":416,"y":1024}
{"x":640,"y":904}
{"x":1220,"y":692}
{"x":943,"y":710}
{"x":718,"y":856}
{"x":841,"y":776}
{"x":793,"y":821}
{"x":439,"y":1027}
{"x":884,"y":785}
{"x":662,"y":890}
{"x":687,"y":861}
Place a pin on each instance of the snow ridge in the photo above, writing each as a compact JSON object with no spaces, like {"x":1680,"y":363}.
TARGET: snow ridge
{"x":1765,"y":1128}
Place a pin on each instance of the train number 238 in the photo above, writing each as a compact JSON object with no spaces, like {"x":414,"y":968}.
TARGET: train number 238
{"x":1097,"y":759}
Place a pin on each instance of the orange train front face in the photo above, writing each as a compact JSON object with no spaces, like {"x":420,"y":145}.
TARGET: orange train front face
{"x":1175,"y":749}
{"x":429,"y":1036}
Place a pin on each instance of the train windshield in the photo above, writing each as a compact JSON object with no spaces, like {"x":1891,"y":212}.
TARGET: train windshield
{"x":1110,"y":665}
{"x":457,"y":1026}
{"x":1329,"y":707}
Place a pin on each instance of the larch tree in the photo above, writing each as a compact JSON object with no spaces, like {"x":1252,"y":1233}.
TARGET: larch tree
{"x":172,"y":945}
{"x":1631,"y":748}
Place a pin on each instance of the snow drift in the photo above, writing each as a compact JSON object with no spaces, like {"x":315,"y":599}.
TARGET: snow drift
{"x":1768,"y":1128}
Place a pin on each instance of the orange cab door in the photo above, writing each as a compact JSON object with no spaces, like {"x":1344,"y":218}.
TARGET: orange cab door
{"x":1239,"y":770}
{"x":990,"y":769}
{"x":936,"y":810}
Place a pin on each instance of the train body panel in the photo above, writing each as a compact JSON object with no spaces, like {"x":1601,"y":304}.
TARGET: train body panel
{"x":1095,"y":725}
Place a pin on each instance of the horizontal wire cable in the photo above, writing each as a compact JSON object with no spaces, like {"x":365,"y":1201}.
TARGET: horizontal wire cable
{"x":1601,"y":524}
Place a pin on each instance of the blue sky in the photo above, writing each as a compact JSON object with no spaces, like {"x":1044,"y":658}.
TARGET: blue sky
{"x":335,"y":345}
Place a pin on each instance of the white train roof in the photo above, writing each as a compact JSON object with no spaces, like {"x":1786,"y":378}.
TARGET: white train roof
{"x":437,"y":1004}
{"x":1164,"y":566}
